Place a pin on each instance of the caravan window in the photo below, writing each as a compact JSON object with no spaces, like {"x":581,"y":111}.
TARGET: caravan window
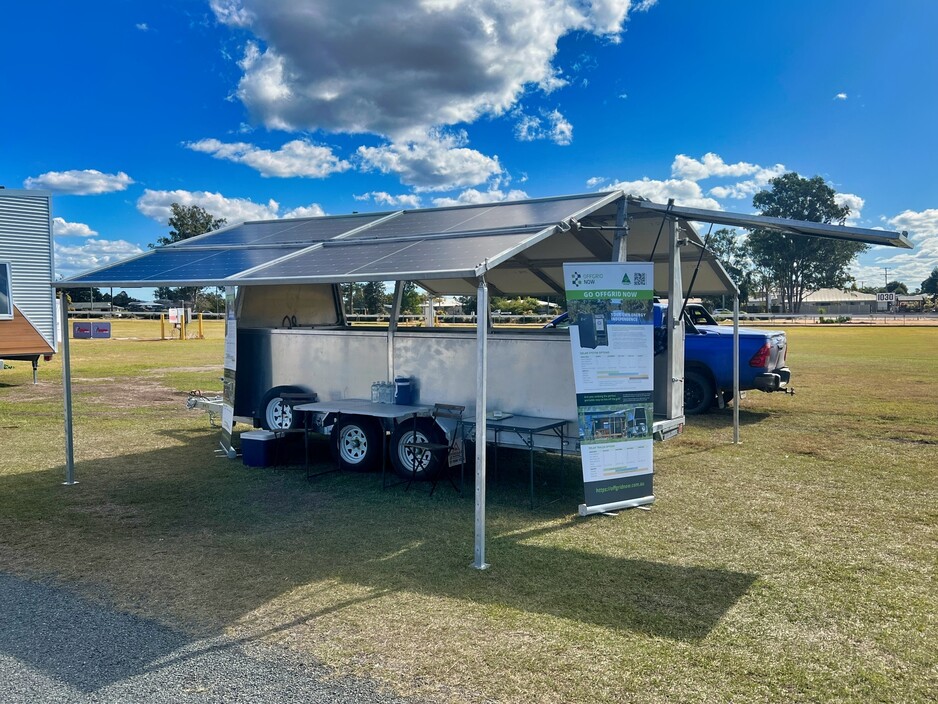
{"x":6,"y":292}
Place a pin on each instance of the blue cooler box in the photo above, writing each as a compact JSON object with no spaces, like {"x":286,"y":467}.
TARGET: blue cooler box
{"x":257,"y":448}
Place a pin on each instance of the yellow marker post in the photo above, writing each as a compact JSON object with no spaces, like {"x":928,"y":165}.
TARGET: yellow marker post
{"x":162,"y":326}
{"x":201,"y":333}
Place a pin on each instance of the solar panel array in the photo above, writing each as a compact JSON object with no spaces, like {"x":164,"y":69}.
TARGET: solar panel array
{"x":416,"y":243}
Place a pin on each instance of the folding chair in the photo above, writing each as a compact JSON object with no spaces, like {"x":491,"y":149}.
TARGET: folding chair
{"x":426,"y":453}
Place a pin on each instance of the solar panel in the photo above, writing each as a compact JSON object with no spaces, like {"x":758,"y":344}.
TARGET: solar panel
{"x":503,"y":216}
{"x":355,"y":258}
{"x":183,"y":265}
{"x":304,"y":231}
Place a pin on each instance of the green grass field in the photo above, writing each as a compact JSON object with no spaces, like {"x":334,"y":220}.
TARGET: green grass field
{"x":796,"y":566}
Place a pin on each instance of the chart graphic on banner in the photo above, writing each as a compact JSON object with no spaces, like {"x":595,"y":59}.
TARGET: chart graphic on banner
{"x":612,"y":342}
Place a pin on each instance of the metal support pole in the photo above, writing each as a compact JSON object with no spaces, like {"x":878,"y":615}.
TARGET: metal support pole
{"x":620,"y":237}
{"x":675,"y":399}
{"x":396,"y":302}
{"x":736,"y":368}
{"x":67,"y":385}
{"x":482,"y":333}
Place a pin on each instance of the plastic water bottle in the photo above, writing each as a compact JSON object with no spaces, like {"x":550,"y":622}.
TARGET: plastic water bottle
{"x":376,"y":392}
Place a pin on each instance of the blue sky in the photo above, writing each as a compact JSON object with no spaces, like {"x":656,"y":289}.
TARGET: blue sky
{"x":268,"y":109}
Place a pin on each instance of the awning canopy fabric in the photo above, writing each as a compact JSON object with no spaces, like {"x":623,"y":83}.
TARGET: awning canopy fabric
{"x":520,"y":247}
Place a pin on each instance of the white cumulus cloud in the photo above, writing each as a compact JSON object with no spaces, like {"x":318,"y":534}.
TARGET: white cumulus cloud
{"x":435,"y":162}
{"x":306,"y":211}
{"x":852,"y":201}
{"x":80,"y":182}
{"x":91,"y":254}
{"x":684,"y":191}
{"x":840,"y":96}
{"x":909,"y":267}
{"x":550,"y":125}
{"x":395,"y":67}
{"x":296,"y":158}
{"x":63,"y":228}
{"x":158,"y":205}
{"x":921,"y":225}
{"x":713,"y":166}
{"x":471,"y":196}
{"x":405,"y":200}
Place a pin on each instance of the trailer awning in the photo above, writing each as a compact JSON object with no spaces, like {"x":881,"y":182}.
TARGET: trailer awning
{"x":793,"y":227}
{"x":520,"y":247}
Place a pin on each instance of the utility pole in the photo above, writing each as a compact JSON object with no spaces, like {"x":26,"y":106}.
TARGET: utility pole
{"x":886,"y":277}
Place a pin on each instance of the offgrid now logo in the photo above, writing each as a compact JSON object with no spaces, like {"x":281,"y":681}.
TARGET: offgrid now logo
{"x":588,"y":279}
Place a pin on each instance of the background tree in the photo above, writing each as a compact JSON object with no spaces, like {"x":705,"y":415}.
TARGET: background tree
{"x":374,"y":297}
{"x":898,"y":288}
{"x":185,"y":222}
{"x":797,"y":263}
{"x":732,"y":251}
{"x":930,"y":285}
{"x":188,"y":221}
{"x":87,"y":295}
{"x":123,"y":299}
{"x":469,"y":304}
{"x":412,"y":299}
{"x":352,"y":298}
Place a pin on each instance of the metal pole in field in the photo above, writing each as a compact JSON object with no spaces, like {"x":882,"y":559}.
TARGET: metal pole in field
{"x":482,"y":333}
{"x":736,"y":368}
{"x":67,"y":384}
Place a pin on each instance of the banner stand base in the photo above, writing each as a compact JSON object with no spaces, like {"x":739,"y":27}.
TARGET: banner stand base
{"x":605,"y":508}
{"x":227,"y":451}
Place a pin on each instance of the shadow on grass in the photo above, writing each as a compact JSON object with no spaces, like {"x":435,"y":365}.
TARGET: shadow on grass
{"x":721,"y":418}
{"x":184,"y":523}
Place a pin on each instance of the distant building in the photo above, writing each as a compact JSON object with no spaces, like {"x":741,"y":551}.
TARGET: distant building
{"x":913,"y":303}
{"x":834,"y":301}
{"x":89,"y":307}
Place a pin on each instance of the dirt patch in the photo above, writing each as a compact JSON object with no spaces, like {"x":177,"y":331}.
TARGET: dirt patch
{"x":42,"y":391}
{"x":142,"y":392}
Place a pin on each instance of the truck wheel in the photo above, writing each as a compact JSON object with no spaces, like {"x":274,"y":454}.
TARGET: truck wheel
{"x":275,"y":414}
{"x":698,"y":393}
{"x":357,"y":443}
{"x":418,"y":464}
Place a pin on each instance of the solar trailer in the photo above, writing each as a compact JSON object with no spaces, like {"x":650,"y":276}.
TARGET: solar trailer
{"x":292,"y":334}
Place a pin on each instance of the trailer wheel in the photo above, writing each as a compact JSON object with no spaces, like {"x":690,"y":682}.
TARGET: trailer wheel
{"x":698,"y":393}
{"x":417,"y":464}
{"x":357,"y":443}
{"x":277,"y":415}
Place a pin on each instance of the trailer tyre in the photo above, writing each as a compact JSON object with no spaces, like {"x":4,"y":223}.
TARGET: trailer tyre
{"x":698,"y":393}
{"x":277,"y":415}
{"x":357,"y":443}
{"x":417,"y":464}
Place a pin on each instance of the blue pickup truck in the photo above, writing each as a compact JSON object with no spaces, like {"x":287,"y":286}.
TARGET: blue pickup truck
{"x":708,"y":357}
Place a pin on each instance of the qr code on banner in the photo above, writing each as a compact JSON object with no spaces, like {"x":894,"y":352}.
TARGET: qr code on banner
{"x":639,"y":279}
